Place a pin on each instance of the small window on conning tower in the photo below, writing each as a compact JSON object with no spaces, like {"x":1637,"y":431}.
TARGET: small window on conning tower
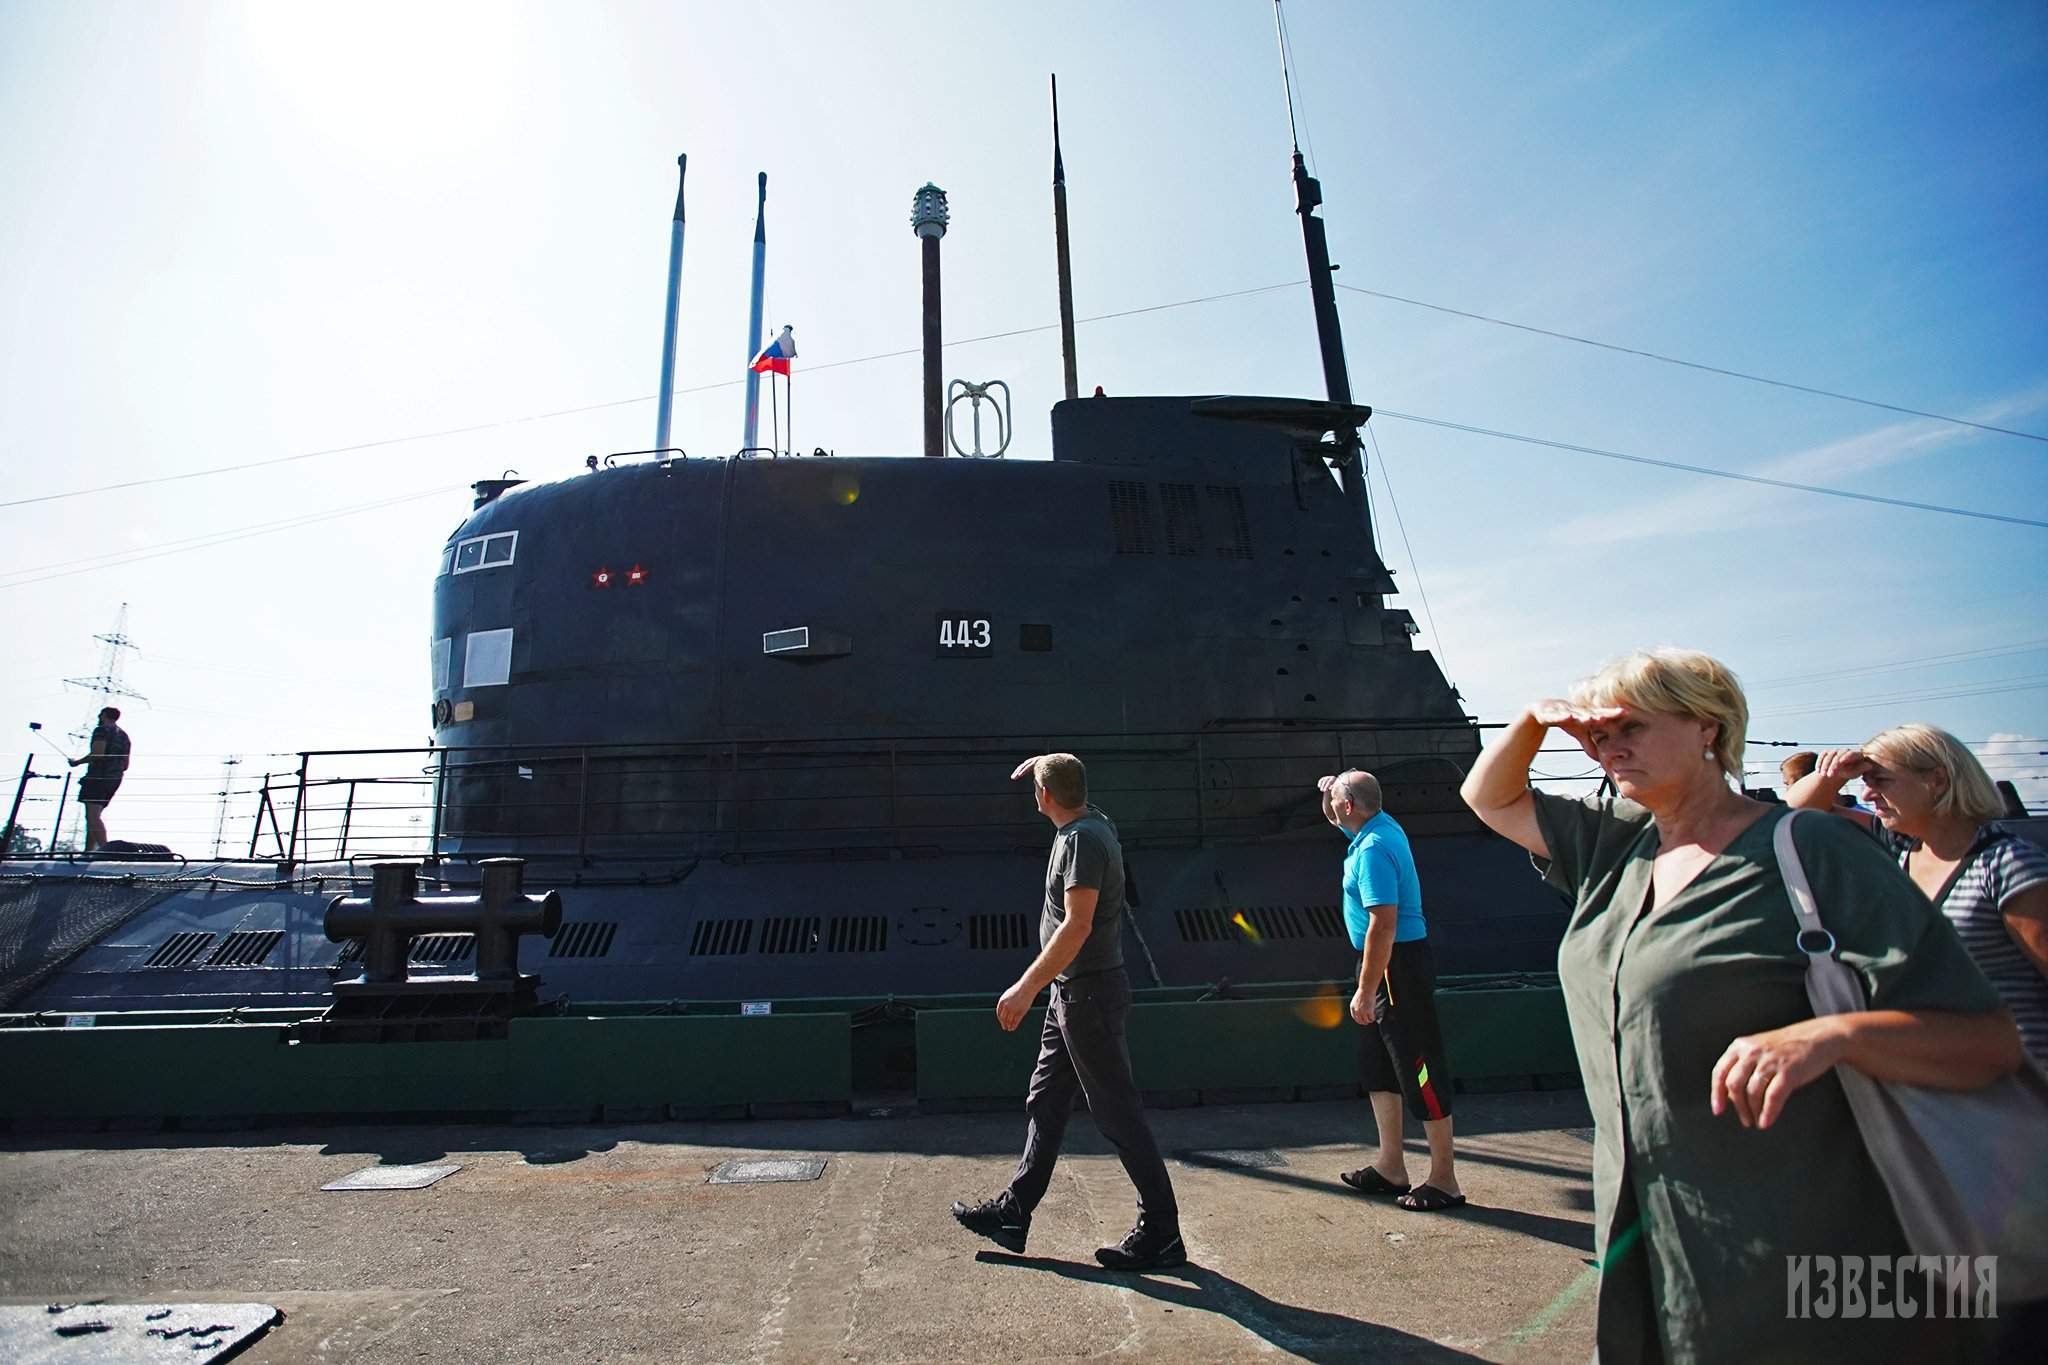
{"x":485,"y":552}
{"x":488,"y":660}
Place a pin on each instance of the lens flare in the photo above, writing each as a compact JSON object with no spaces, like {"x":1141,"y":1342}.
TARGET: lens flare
{"x":1324,"y":1009}
{"x":1245,"y":927}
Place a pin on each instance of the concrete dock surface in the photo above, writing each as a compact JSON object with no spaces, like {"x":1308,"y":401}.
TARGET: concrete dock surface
{"x":610,"y":1243}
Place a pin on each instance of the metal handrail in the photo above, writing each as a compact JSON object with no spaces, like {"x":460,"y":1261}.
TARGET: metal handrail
{"x":727,"y":765}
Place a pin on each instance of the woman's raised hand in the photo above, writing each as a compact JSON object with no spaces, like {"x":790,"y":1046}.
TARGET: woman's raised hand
{"x":1576,"y":721}
{"x":1841,"y":765}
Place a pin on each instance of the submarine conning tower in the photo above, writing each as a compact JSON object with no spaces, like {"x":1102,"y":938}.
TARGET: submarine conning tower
{"x":1182,"y":583}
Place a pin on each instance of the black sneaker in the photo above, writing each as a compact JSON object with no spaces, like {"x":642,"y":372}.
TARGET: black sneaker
{"x":999,"y":1220}
{"x":1145,"y":1248}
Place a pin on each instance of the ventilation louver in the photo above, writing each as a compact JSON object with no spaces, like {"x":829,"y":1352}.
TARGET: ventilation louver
{"x":1008,"y":932}
{"x":789,"y":934}
{"x":583,"y":938}
{"x":721,"y":937}
{"x":1227,"y":501}
{"x":1325,"y":920}
{"x":1130,"y":515}
{"x":859,"y":934}
{"x":1183,"y":518}
{"x":1230,"y":924}
{"x":245,"y":948}
{"x":440,"y":948}
{"x":179,"y":949}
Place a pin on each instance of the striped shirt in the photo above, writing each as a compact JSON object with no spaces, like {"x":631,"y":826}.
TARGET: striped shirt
{"x":2000,"y":866}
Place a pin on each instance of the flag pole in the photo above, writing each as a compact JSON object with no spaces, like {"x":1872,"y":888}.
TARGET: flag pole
{"x":668,"y":331}
{"x":753,"y":428}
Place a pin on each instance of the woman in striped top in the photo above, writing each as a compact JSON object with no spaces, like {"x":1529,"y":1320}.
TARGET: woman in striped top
{"x":1934,"y":807}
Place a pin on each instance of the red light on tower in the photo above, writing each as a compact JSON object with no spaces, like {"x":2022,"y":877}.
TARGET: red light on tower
{"x":601,"y":579}
{"x":635,"y":576}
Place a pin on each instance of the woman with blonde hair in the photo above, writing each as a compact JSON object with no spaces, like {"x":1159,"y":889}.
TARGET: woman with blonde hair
{"x":1723,"y":1143}
{"x":1935,"y":808}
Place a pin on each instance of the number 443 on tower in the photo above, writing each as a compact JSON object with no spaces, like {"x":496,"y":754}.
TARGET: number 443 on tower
{"x":961,"y":633}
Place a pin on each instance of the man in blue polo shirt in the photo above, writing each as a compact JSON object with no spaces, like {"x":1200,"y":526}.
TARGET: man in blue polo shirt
{"x":1401,"y":1054}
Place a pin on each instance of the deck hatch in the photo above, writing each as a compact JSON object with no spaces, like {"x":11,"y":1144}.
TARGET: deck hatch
{"x":245,"y":948}
{"x":179,"y":949}
{"x":584,"y":938}
{"x":721,"y":937}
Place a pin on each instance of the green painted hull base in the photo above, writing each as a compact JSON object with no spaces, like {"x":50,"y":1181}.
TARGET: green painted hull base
{"x":648,"y":1062}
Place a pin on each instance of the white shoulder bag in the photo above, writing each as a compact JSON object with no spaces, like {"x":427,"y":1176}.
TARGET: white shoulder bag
{"x":1967,"y":1169}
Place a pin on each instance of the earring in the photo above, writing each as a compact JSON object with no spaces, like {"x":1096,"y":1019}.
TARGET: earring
{"x":1707,"y":754}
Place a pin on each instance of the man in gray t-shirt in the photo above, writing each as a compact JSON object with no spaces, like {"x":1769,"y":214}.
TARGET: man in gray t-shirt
{"x":1081,"y":1050}
{"x":1085,"y":853}
{"x":105,"y":765}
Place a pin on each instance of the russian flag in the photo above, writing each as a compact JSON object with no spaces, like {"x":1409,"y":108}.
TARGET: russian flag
{"x":777,"y":354}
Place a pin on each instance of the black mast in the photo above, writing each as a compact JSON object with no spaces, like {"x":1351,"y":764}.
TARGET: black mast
{"x":1059,"y":232}
{"x":1308,"y":196}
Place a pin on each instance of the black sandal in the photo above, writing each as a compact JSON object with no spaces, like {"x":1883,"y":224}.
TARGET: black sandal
{"x":1429,"y":1199}
{"x":1366,"y":1180}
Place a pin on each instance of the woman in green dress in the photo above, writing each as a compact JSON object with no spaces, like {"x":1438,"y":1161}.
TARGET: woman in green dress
{"x":1725,"y":1149}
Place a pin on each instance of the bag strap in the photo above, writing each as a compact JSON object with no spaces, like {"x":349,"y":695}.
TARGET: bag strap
{"x":1811,"y":931}
{"x":1832,"y":987}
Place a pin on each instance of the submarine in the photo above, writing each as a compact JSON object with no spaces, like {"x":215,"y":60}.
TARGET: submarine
{"x":752,"y":714}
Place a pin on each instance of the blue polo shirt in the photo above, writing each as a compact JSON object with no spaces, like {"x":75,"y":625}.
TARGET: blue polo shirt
{"x":1380,"y":870}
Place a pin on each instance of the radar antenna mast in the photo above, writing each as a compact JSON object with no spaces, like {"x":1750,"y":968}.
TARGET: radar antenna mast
{"x":1308,"y":196}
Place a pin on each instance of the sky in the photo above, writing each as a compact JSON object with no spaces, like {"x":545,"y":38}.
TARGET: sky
{"x":416,"y":245}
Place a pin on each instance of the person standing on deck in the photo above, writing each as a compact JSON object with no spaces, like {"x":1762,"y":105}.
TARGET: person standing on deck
{"x":1081,"y":1050}
{"x":1401,"y":1051}
{"x":106,"y":764}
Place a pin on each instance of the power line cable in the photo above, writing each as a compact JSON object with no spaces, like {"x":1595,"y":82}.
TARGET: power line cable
{"x":2018,"y":684}
{"x":1992,"y":653}
{"x":1380,"y":460}
{"x":217,"y":538}
{"x":1708,"y":470}
{"x":1697,"y":365}
{"x":623,"y":402}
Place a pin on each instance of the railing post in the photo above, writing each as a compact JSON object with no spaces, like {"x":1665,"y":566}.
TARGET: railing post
{"x":28,"y":770}
{"x":348,"y":811}
{"x":298,"y":809}
{"x":1201,"y":793}
{"x":440,"y":799}
{"x":583,"y":808}
{"x":256,"y":821}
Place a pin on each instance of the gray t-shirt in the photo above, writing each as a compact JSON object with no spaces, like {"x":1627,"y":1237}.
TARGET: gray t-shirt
{"x":1085,"y":852}
{"x":113,"y":762}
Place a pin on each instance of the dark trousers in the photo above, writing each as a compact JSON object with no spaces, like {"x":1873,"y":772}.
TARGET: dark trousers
{"x":1082,"y":1052}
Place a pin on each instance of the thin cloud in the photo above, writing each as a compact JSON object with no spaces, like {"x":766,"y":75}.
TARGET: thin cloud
{"x":1689,"y":511}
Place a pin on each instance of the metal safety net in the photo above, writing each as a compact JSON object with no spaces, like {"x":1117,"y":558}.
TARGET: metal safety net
{"x":47,"y":921}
